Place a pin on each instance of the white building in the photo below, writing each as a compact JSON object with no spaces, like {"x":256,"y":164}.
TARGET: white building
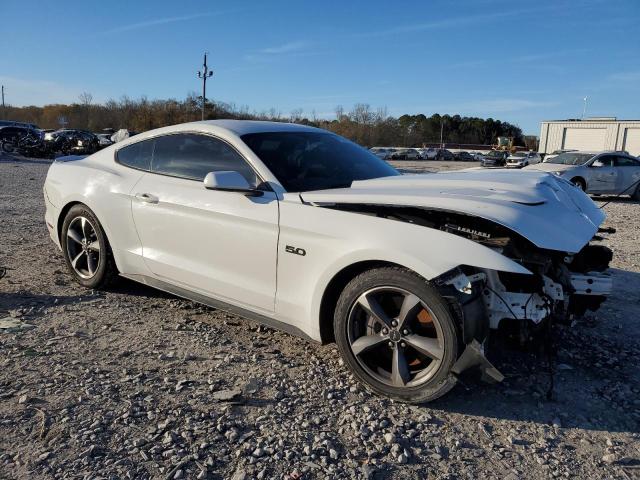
{"x":591,"y":134}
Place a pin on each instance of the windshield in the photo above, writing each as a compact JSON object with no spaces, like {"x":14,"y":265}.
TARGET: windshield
{"x":519,"y":155}
{"x":570,"y":158}
{"x":495,"y":155}
{"x":304,"y":161}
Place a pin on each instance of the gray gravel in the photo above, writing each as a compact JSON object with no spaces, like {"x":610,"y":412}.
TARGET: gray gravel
{"x":134,"y":383}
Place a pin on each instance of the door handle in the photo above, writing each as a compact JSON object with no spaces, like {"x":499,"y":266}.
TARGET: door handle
{"x":147,"y":198}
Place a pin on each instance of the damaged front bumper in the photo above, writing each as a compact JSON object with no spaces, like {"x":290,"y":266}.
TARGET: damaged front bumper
{"x":485,"y":298}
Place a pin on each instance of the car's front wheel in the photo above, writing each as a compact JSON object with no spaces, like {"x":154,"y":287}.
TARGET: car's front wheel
{"x":86,"y":249}
{"x":578,"y":182}
{"x":396,"y":334}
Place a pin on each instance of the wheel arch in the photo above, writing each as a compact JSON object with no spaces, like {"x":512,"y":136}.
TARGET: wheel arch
{"x":581,"y":179}
{"x":63,"y":214}
{"x":60,"y":222}
{"x":335,"y":287}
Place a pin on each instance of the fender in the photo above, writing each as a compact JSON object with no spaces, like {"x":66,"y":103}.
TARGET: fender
{"x":107,"y":194}
{"x":334,"y":240}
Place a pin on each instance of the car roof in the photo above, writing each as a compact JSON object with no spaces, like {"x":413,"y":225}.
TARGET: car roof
{"x":242,"y":127}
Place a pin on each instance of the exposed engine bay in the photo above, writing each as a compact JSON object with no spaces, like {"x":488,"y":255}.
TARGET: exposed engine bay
{"x":562,"y":287}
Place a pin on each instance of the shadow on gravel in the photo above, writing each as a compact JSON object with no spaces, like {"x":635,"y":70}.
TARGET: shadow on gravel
{"x":30,"y":306}
{"x":124,"y":286}
{"x":601,"y":199}
{"x":596,"y":379}
{"x":22,"y":160}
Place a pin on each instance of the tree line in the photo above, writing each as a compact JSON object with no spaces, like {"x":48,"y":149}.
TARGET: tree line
{"x":362,"y":124}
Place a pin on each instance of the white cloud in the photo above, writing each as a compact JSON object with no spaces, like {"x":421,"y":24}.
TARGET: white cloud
{"x":158,"y":21}
{"x":626,"y":76}
{"x":20,"y":92}
{"x":285,"y":48}
{"x":291,"y":49}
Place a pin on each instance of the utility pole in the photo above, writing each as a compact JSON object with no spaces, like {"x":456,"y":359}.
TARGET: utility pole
{"x":204,"y":74}
{"x":584,"y":108}
{"x":3,"y":111}
{"x":441,"y":131}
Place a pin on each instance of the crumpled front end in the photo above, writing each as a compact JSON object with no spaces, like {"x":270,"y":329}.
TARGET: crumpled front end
{"x":536,"y":220}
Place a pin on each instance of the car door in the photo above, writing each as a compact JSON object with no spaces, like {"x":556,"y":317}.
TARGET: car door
{"x":603,"y":178}
{"x":628,"y":174}
{"x":219,"y":243}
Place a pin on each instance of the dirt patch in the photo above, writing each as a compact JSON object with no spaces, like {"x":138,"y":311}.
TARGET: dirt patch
{"x":134,"y":383}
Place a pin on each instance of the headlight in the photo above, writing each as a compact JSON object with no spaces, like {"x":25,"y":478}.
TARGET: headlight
{"x":557,"y":173}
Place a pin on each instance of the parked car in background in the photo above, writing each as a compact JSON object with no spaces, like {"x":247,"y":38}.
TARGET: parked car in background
{"x":555,"y":153}
{"x":23,"y":140}
{"x":523,"y":159}
{"x":495,"y":158}
{"x":406,"y":154}
{"x":463,"y":156}
{"x":444,"y":155}
{"x":104,"y":139}
{"x":429,"y":153}
{"x":597,"y":172}
{"x":11,"y":123}
{"x":71,"y":141}
{"x":383,"y":153}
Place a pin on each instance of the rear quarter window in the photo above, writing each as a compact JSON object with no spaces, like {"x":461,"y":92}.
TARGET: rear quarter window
{"x":137,"y":155}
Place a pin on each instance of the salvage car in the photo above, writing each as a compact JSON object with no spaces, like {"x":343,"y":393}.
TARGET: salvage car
{"x":406,"y":154}
{"x":305,"y":231}
{"x":615,"y":173}
{"x":464,"y":156}
{"x":523,"y":159}
{"x":68,"y":141}
{"x":494,"y":158}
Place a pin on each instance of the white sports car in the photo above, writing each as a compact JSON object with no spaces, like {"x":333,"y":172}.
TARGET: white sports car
{"x":305,"y":231}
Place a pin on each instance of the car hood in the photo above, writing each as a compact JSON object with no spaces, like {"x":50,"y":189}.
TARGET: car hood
{"x":550,"y":167}
{"x":548,"y":211}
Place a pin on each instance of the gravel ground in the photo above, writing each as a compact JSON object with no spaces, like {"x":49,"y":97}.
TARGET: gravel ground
{"x":134,"y":383}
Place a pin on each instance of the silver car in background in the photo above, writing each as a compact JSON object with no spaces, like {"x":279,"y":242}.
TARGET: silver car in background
{"x":615,"y":173}
{"x":523,"y":159}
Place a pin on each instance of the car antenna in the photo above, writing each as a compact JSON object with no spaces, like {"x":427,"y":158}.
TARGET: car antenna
{"x":621,"y":193}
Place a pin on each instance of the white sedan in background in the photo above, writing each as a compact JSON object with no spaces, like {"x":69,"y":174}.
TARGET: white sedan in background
{"x":306,"y":231}
{"x":523,"y":159}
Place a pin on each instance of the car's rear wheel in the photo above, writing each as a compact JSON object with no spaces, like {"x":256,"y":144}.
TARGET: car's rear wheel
{"x":578,"y":182}
{"x":397,"y":335}
{"x":636,"y":194}
{"x":86,"y":249}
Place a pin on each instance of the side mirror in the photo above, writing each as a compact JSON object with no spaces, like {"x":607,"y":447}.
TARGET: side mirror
{"x":229,"y":181}
{"x":597,"y":163}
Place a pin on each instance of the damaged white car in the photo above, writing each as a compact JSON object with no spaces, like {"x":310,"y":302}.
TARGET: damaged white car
{"x":307,"y":232}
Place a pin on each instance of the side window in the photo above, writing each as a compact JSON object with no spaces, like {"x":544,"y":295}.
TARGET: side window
{"x":192,"y":156}
{"x":607,"y":160}
{"x":626,"y":162}
{"x":137,"y":155}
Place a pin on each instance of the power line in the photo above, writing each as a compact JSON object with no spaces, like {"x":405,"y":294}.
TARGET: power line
{"x":204,"y":74}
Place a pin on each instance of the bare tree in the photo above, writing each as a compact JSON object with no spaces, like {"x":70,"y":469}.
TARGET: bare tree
{"x":85,"y":99}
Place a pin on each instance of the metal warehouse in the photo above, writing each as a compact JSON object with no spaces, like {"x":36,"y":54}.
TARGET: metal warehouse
{"x":591,"y":134}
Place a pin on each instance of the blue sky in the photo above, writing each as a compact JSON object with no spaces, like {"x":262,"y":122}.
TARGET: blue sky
{"x":520,"y":61}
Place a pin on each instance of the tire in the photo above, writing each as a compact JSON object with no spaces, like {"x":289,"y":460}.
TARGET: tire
{"x":636,"y":194}
{"x":86,"y":249}
{"x":8,"y":147}
{"x":578,"y":182}
{"x":428,"y":323}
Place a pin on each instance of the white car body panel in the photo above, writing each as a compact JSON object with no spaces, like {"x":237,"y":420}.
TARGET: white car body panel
{"x":220,"y":242}
{"x":521,"y":201}
{"x":233,"y":248}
